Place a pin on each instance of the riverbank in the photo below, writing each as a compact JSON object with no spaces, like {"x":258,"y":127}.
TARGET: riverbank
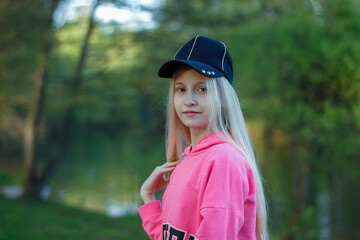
{"x":31,"y":220}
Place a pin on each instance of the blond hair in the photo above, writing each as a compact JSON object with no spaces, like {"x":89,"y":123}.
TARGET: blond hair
{"x":227,"y":121}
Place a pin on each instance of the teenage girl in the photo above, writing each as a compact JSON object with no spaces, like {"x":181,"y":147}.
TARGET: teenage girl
{"x":215,"y":189}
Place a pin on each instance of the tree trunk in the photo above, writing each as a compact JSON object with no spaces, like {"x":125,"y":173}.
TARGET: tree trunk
{"x":67,"y":121}
{"x":301,"y":183}
{"x":33,"y":118}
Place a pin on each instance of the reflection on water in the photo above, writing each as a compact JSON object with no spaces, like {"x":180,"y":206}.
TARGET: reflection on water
{"x":11,"y":191}
{"x":104,"y":173}
{"x":15,"y":191}
{"x":115,"y":208}
{"x":323,"y":202}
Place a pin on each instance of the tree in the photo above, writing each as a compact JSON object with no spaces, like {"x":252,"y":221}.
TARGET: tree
{"x":36,"y":176}
{"x":31,"y":128}
{"x":25,"y":44}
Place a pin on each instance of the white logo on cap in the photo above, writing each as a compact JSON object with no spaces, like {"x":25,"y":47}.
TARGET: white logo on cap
{"x":203,"y":71}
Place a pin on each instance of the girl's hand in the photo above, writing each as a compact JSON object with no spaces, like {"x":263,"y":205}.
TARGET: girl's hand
{"x":156,"y":181}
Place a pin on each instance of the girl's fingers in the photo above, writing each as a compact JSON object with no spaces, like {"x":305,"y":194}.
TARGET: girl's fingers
{"x":168,"y":169}
{"x":169,"y":164}
{"x":163,"y":170}
{"x":160,"y":171}
{"x":157,"y":180}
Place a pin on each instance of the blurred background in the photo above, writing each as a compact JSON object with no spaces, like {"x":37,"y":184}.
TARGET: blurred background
{"x":82,"y":115}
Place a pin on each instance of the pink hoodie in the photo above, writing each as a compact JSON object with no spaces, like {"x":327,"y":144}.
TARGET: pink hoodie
{"x":211,"y":195}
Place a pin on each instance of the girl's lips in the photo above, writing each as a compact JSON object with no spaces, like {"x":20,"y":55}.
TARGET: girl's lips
{"x":190,"y":113}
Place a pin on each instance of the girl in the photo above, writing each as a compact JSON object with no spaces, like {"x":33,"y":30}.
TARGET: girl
{"x":215,"y":189}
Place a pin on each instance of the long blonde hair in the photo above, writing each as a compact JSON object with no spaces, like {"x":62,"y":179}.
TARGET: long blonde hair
{"x":227,"y":121}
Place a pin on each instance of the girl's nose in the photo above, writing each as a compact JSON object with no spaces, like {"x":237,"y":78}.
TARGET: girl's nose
{"x":190,"y":99}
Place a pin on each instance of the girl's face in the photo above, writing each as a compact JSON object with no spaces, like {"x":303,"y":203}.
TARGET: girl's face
{"x":190,"y":99}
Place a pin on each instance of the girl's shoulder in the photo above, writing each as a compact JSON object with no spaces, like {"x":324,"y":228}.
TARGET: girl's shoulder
{"x":226,"y":155}
{"x":226,"y":149}
{"x":228,"y":166}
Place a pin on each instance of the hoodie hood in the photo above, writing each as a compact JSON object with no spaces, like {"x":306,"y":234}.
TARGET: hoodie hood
{"x":206,"y":142}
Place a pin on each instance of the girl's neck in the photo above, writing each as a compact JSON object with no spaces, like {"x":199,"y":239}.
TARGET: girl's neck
{"x":196,"y":135}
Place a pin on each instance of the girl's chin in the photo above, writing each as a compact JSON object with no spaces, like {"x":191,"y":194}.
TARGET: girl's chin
{"x":199,"y":127}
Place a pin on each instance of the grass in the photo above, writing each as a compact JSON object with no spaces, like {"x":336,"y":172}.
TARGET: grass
{"x":30,"y":220}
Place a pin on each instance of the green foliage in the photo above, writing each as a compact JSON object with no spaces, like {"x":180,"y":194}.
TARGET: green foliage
{"x":22,"y":27}
{"x":301,"y":73}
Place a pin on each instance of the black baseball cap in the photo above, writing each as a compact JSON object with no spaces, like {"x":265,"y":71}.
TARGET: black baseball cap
{"x":207,"y":56}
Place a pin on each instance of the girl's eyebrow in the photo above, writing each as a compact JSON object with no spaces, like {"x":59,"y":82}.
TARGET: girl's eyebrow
{"x":199,"y":82}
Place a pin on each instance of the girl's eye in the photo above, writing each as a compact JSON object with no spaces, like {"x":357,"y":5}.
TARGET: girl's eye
{"x":202,"y":90}
{"x":180,"y":90}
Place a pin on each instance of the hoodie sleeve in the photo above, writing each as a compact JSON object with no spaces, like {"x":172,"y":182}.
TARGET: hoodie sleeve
{"x":225,"y":192}
{"x":151,"y":215}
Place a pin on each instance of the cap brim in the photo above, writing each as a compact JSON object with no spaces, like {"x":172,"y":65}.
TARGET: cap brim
{"x":168,"y":69}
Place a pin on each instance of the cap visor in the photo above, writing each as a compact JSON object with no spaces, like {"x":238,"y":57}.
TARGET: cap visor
{"x":168,"y":69}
